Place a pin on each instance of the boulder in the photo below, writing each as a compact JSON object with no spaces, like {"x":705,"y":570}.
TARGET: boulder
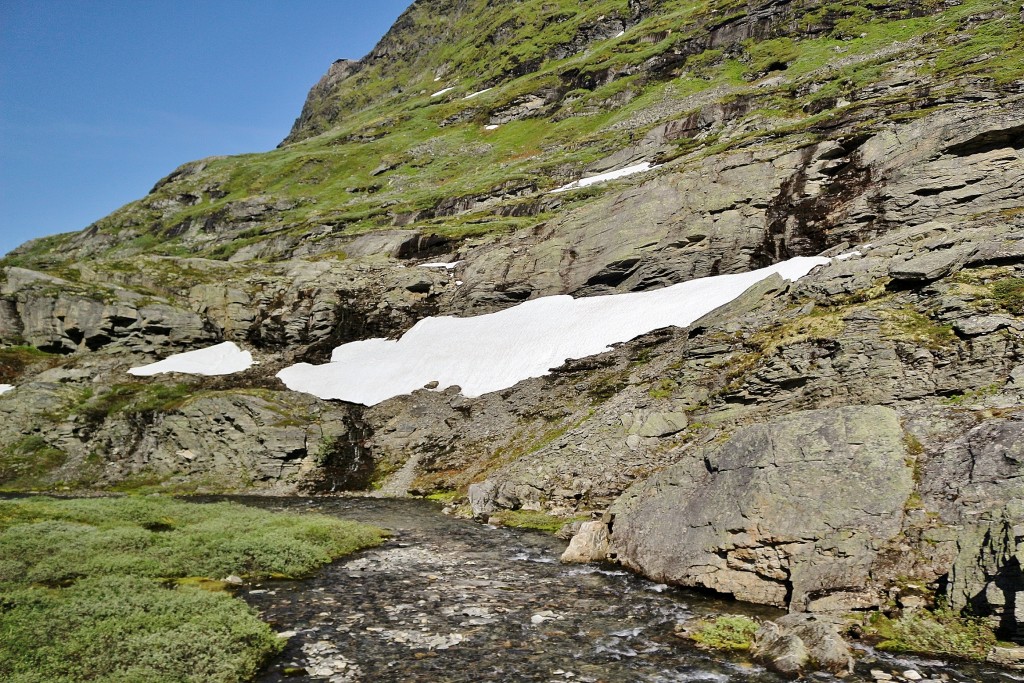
{"x":796,"y":643}
{"x":791,"y":512}
{"x":590,"y":544}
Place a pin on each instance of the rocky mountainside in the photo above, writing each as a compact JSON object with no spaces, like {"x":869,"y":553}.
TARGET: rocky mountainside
{"x":849,"y":441}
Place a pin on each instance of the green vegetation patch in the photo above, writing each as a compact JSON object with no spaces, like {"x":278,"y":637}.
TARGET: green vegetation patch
{"x":123,"y":628}
{"x":23,"y":462}
{"x":113,"y":589}
{"x":1009,"y":294}
{"x":532,"y":519}
{"x":55,"y":542}
{"x":14,"y":360}
{"x":725,"y":633}
{"x":938,"y":632}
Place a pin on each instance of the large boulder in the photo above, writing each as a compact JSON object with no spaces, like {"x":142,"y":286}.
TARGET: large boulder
{"x":790,"y":513}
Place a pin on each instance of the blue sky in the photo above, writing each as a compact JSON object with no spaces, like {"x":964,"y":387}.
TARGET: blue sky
{"x":99,"y":99}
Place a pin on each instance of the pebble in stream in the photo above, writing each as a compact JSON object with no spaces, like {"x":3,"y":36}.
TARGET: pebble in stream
{"x":450,"y":600}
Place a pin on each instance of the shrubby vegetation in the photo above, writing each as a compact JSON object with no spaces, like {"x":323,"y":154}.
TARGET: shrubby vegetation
{"x":104,"y":589}
{"x":938,"y":632}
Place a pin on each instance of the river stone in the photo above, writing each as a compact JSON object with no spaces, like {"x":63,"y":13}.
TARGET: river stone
{"x":783,"y":513}
{"x":797,"y":641}
{"x":590,"y":544}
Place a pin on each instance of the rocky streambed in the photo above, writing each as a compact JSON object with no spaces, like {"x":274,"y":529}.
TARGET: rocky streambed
{"x":451,"y":600}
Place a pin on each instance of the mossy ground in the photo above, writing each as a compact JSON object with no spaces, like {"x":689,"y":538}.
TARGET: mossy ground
{"x":118,"y":589}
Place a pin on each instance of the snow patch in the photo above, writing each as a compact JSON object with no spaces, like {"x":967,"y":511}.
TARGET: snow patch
{"x":604,"y":177}
{"x":844,"y":257}
{"x":491,"y":352}
{"x":441,"y":92}
{"x":491,"y":127}
{"x":620,"y":34}
{"x":446,"y":266}
{"x":476,"y":94}
{"x":4,"y":388}
{"x":222,"y":359}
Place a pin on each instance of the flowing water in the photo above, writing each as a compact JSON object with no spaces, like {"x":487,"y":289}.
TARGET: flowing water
{"x":452,"y":600}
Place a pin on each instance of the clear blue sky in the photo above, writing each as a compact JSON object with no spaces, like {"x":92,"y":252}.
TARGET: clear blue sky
{"x":99,"y":99}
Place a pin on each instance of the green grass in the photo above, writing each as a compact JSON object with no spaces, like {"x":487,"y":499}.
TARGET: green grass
{"x":938,"y":632}
{"x":106,"y":589}
{"x":15,"y":360}
{"x":735,"y":633}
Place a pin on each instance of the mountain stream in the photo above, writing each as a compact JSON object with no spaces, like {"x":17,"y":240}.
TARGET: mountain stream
{"x":452,"y":600}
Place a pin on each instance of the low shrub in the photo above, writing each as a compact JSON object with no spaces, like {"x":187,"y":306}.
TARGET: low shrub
{"x":122,"y":628}
{"x":725,"y":633}
{"x":938,"y":632}
{"x":120,"y":590}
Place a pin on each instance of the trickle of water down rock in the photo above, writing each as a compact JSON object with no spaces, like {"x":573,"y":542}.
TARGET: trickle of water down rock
{"x":451,"y":600}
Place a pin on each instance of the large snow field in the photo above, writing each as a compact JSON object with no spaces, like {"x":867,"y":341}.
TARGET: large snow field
{"x":495,"y":351}
{"x":222,"y":359}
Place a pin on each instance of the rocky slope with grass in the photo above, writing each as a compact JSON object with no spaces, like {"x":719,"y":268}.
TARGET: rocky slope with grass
{"x":850,"y":441}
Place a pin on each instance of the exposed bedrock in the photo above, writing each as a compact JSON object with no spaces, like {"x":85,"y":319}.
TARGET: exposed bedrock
{"x":794,"y":512}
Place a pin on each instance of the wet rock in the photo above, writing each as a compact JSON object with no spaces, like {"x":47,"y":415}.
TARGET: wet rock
{"x":1010,"y":657}
{"x":590,"y":544}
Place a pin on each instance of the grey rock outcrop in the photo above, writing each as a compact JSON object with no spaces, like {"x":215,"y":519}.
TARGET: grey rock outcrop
{"x":822,"y":492}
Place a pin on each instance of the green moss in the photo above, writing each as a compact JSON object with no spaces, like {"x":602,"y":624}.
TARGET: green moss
{"x":734,"y":633}
{"x":55,"y":541}
{"x":909,"y":324}
{"x":664,"y":388}
{"x":446,"y":497}
{"x":938,"y":632}
{"x":1008,"y":293}
{"x":533,"y":519}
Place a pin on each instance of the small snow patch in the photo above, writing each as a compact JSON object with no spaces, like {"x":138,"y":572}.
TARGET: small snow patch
{"x":620,"y":34}
{"x":844,"y":257}
{"x":222,"y":359}
{"x":442,"y":92}
{"x":446,"y":266}
{"x":604,"y":177}
{"x":491,"y":127}
{"x":4,"y":388}
{"x":476,"y":94}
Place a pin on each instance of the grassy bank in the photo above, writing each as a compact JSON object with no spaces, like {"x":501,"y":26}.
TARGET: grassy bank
{"x":104,"y":589}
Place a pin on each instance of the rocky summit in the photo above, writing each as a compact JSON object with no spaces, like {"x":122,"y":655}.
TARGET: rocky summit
{"x":850,"y":440}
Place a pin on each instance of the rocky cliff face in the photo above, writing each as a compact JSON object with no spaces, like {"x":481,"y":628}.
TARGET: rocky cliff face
{"x":849,"y":441}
